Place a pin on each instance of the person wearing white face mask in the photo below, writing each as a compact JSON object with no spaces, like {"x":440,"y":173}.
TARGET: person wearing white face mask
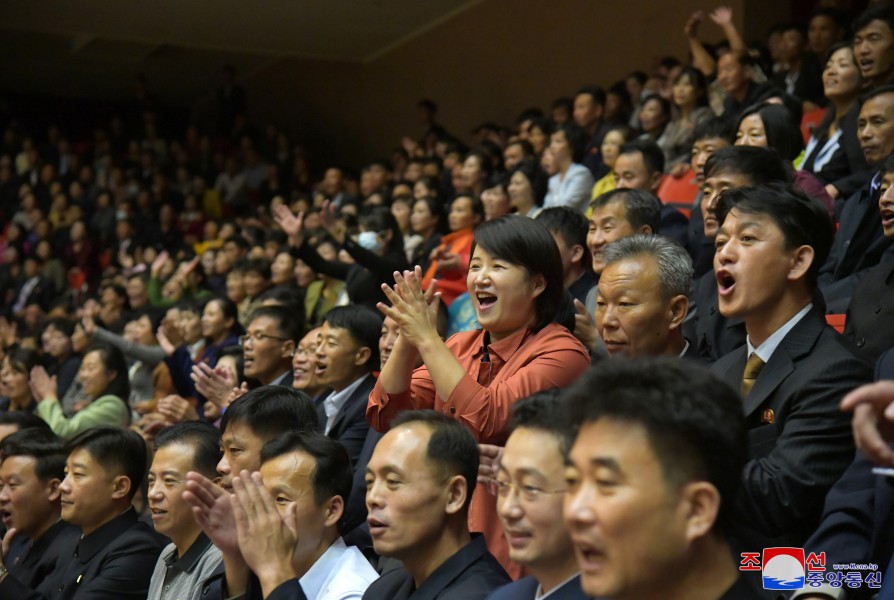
{"x":372,"y":256}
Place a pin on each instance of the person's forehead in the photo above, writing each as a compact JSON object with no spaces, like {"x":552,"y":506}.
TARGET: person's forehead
{"x":403,"y":447}
{"x":640,"y":271}
{"x":881,"y":104}
{"x":531,"y":449}
{"x":875,"y":26}
{"x":21,"y":465}
{"x":728,"y":177}
{"x":292,"y":469}
{"x":240,"y":432}
{"x":176,"y":457}
{"x":263,"y":324}
{"x":615,"y":209}
{"x":630,"y":160}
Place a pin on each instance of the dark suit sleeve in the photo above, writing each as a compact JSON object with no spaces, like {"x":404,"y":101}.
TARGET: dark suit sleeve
{"x":332,"y":268}
{"x":124,"y":574}
{"x":783,"y":485}
{"x":11,"y":588}
{"x":846,"y":531}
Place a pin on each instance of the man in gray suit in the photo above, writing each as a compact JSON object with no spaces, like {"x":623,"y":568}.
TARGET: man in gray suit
{"x":793,"y":370}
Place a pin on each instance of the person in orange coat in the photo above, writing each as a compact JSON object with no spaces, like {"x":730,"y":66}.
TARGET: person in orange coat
{"x":515,"y":281}
{"x":450,"y":260}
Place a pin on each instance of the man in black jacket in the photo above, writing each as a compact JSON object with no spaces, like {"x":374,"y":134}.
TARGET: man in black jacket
{"x":115,"y":554}
{"x":32,"y":469}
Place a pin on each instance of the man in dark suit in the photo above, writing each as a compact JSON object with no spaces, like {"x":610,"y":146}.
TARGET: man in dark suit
{"x":420,"y":481}
{"x":794,"y":368}
{"x":347,"y":354}
{"x":530,"y":488}
{"x":32,"y":469}
{"x":116,"y":552}
{"x":728,"y":168}
{"x":269,"y":344}
{"x":858,"y":517}
{"x":860,"y":244}
{"x":658,"y":451}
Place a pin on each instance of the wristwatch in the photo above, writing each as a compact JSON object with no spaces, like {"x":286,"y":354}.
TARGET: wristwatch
{"x":4,"y":572}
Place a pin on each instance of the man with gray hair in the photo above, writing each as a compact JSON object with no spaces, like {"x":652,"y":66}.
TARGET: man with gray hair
{"x":641,"y":298}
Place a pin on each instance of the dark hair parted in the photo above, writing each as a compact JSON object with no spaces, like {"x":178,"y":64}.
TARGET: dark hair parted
{"x":802,"y":220}
{"x":577,"y":140}
{"x":715,"y":128}
{"x":203,"y":438}
{"x":692,"y":419}
{"x":363,"y":324}
{"x":542,"y":411}
{"x":759,"y":165}
{"x":332,"y":474}
{"x":271,"y":410}
{"x":782,"y":131}
{"x":527,"y":243}
{"x":44,"y":446}
{"x":640,"y":207}
{"x":23,"y":420}
{"x":113,"y":361}
{"x":536,"y":177}
{"x":880,"y":12}
{"x":118,"y":451}
{"x":452,"y":448}
{"x":289,"y":323}
{"x":653,"y":155}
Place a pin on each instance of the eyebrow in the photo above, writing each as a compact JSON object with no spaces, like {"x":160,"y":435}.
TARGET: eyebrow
{"x":606,"y":463}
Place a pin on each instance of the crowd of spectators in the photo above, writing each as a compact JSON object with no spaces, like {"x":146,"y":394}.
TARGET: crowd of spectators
{"x":591,"y":354}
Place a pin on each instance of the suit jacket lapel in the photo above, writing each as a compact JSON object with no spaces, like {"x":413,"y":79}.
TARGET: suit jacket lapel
{"x":799,"y":341}
{"x":364,"y":390}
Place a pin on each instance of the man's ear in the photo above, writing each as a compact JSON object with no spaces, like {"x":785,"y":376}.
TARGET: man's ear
{"x":656,"y":181}
{"x":700,"y":506}
{"x":335,"y":509}
{"x":802,"y":259}
{"x":677,"y":309}
{"x":577,"y":253}
{"x":361,"y":357}
{"x":457,"y":492}
{"x":121,"y":487}
{"x":646,"y":229}
{"x":53,"y":488}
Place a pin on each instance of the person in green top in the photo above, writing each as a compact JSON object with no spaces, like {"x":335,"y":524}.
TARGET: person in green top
{"x":103,"y":375}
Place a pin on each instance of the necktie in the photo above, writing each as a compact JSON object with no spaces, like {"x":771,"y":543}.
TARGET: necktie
{"x":752,"y":370}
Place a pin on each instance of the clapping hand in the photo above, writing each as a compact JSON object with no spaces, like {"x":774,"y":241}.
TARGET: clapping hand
{"x":414,"y":310}
{"x":873,"y":424}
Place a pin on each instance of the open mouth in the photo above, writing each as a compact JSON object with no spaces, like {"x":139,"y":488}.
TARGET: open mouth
{"x":590,"y":557}
{"x":376,"y":527}
{"x":6,"y":517}
{"x":320,"y":370}
{"x":887,"y":215}
{"x":725,"y":283}
{"x":485,"y":300}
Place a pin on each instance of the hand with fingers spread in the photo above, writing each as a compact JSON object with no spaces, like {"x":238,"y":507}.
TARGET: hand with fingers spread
{"x":162,"y":336}
{"x":211,"y":507}
{"x":489,"y":465}
{"x":414,"y":310}
{"x":331,"y":223}
{"x":215,"y":384}
{"x":267,"y":540}
{"x":691,"y":28}
{"x":159,"y":263}
{"x":292,"y":225}
{"x":722,"y":16}
{"x":873,"y":424}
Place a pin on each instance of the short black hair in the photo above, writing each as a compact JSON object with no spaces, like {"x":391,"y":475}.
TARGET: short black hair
{"x":577,"y":139}
{"x":257,"y":265}
{"x":759,"y":165}
{"x":595,"y":91}
{"x":565,"y":102}
{"x":332,"y":475}
{"x":783,"y":133}
{"x":203,"y":438}
{"x":451,"y":446}
{"x":692,"y":419}
{"x":363,"y":324}
{"x":45,"y":447}
{"x":715,"y":127}
{"x":653,"y":155}
{"x":61,"y":324}
{"x":875,"y":92}
{"x":527,"y":243}
{"x":802,"y":219}
{"x":22,"y":419}
{"x":880,"y":12}
{"x":289,"y":323}
{"x":571,"y":224}
{"x":542,"y":411}
{"x":271,"y":410}
{"x":118,"y":451}
{"x":836,"y":15}
{"x":641,"y":207}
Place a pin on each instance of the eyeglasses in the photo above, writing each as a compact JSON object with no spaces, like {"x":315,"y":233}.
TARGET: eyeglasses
{"x":258,"y":337}
{"x":529,"y":493}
